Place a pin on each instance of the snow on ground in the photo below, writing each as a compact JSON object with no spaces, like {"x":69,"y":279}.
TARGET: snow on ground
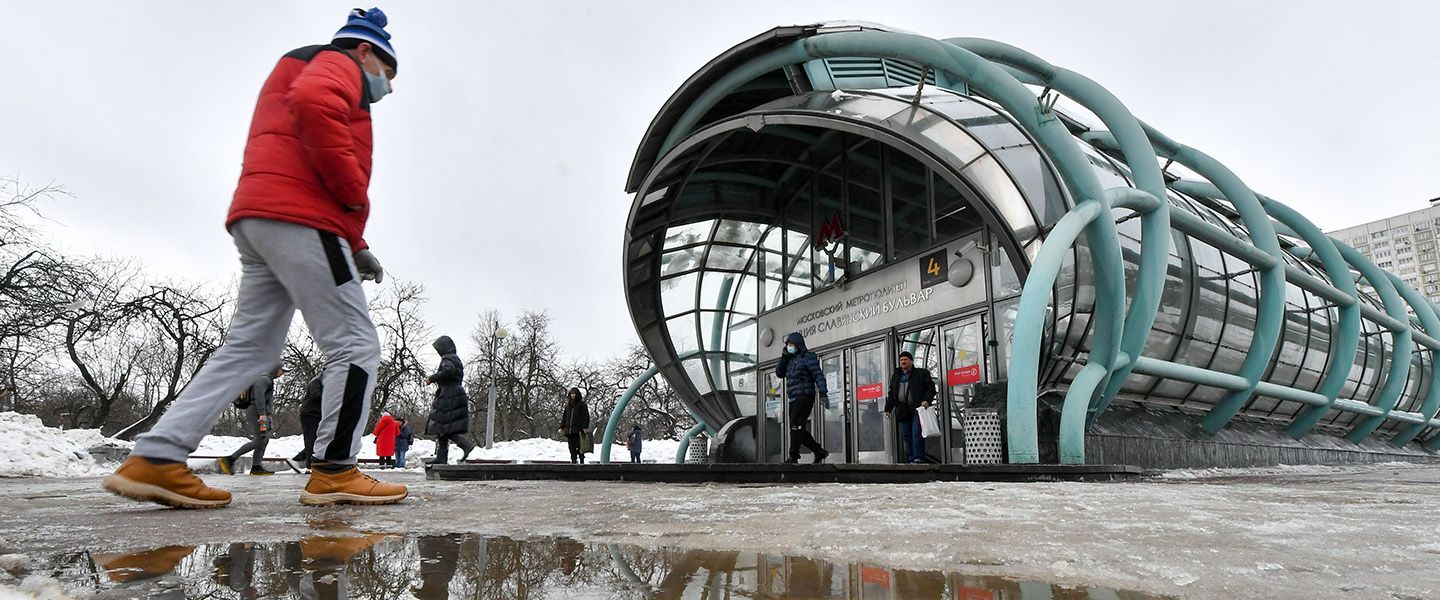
{"x":30,"y":449}
{"x":1193,"y":474}
{"x":528,"y":450}
{"x":35,"y":587}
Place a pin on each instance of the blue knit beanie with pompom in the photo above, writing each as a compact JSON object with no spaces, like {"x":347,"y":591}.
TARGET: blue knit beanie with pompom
{"x":369,"y":26}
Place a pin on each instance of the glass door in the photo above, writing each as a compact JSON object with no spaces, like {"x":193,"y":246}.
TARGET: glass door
{"x":774,"y":438}
{"x":920,"y":343}
{"x":831,"y":433}
{"x":867,"y":388}
{"x":964,"y":367}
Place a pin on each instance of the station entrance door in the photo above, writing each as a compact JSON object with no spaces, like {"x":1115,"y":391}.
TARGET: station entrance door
{"x":854,"y":428}
{"x":953,"y":353}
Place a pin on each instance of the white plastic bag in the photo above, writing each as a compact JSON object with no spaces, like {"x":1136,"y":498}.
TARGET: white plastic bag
{"x":929,"y":423}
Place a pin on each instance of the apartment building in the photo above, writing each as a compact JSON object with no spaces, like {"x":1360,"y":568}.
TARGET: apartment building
{"x":1403,"y":244}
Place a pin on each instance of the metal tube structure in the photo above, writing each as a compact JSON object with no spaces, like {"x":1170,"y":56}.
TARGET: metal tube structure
{"x":891,"y":149}
{"x":612,"y":424}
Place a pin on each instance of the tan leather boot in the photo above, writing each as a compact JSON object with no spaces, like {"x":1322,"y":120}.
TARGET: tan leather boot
{"x":336,"y":550}
{"x":349,"y":487}
{"x":172,"y":485}
{"x":123,"y":568}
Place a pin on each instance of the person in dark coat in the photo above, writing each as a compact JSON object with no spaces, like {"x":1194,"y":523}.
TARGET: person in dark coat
{"x":911,"y":387}
{"x":310,"y":419}
{"x":575,"y":419}
{"x":256,"y":402}
{"x":804,"y":383}
{"x":402,"y":442}
{"x":450,"y":412}
{"x":634,"y":441}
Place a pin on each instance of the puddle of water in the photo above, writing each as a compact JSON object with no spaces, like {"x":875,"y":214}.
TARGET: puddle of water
{"x":474,"y":566}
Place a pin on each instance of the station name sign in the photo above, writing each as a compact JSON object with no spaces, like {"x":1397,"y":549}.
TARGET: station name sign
{"x":858,"y":308}
{"x":898,"y":293}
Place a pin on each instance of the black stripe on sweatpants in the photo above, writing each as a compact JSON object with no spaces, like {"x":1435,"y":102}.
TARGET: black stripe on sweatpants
{"x":350,"y":405}
{"x":335,"y":255}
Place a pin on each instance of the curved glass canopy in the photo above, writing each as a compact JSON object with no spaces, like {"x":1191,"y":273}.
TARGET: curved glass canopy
{"x":778,"y":172}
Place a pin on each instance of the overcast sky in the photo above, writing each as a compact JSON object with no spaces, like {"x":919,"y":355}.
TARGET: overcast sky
{"x":501,"y":157}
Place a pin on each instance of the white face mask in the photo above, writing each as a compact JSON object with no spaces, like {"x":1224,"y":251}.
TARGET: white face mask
{"x":790,"y":348}
{"x":379,"y":85}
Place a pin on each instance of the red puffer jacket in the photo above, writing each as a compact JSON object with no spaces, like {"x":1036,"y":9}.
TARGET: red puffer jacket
{"x":307,"y":160}
{"x":385,"y":430}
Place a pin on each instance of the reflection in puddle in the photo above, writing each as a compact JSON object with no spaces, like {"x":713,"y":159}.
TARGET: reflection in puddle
{"x":473,"y":566}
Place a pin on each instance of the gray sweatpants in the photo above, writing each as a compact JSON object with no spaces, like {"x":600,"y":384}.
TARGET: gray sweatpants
{"x":283,"y":267}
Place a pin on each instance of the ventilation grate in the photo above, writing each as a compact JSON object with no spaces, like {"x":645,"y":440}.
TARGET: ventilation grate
{"x":870,"y":72}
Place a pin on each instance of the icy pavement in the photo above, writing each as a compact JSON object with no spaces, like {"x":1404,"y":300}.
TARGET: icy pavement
{"x":474,"y":566}
{"x":1314,"y":532}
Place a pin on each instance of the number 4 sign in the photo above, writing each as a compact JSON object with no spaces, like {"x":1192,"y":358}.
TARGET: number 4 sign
{"x":934,"y":269}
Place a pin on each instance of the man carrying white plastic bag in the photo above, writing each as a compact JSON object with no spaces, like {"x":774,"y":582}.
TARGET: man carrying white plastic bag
{"x":911,"y":389}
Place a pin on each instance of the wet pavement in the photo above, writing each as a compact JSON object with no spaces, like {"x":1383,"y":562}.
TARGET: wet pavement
{"x":473,"y":566}
{"x":1352,"y":533}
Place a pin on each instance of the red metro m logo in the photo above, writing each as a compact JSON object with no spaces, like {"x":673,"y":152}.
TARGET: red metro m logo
{"x":830,"y":231}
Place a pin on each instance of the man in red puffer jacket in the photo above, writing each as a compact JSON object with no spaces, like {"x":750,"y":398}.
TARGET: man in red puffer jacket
{"x":298,"y":221}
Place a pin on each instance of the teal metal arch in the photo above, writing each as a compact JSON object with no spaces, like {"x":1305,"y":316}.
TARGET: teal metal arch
{"x":1395,"y":309}
{"x":1431,"y":323}
{"x":613,"y":422}
{"x":1139,"y":154}
{"x":1123,"y":319}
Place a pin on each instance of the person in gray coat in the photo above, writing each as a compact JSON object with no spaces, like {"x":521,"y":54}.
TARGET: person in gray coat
{"x":257,"y":402}
{"x":450,"y":411}
{"x":634,"y":441}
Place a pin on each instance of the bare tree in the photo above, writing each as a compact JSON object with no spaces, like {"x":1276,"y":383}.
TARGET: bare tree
{"x":185,"y":330}
{"x":655,"y":407}
{"x":399,"y":380}
{"x":34,"y":283}
{"x":100,"y":336}
{"x":527,"y":375}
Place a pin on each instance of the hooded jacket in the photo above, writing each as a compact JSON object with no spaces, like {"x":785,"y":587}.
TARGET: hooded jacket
{"x":385,"y":431}
{"x":450,"y":412}
{"x":307,"y":158}
{"x":801,"y":371}
{"x":576,"y":416}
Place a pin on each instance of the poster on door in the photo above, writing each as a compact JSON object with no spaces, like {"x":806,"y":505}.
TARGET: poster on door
{"x":967,"y":370}
{"x":870,"y":392}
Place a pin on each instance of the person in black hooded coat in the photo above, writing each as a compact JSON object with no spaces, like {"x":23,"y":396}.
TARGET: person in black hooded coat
{"x":450,"y":412}
{"x":573,"y":421}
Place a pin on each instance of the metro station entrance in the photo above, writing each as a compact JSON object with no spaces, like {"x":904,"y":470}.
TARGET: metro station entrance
{"x":855,"y":428}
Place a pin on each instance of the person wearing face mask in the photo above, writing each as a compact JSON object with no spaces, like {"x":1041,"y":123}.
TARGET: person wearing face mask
{"x":800,"y":369}
{"x":298,"y":222}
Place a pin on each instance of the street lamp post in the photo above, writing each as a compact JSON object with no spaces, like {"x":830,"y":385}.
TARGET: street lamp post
{"x":495,"y":338}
